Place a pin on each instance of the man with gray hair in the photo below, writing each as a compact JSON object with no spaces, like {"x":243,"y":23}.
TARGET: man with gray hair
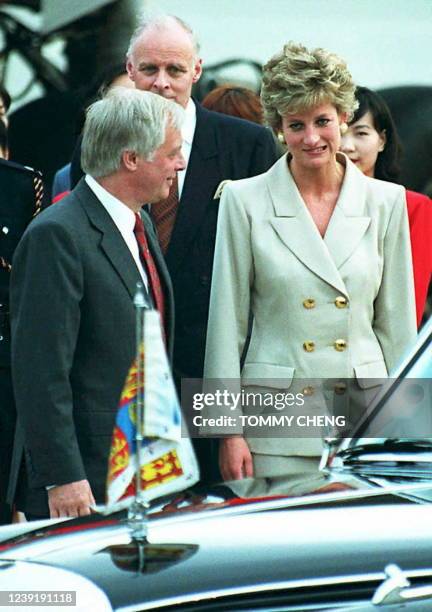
{"x":163,"y":57}
{"x":73,"y":282}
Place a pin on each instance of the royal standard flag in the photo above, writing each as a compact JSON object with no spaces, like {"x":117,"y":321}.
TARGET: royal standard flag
{"x":168,"y":462}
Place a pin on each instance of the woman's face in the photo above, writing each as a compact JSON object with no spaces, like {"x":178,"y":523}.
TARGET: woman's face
{"x":362,"y":143}
{"x":313,"y":136}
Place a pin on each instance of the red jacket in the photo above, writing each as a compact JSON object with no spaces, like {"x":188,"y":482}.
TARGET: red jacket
{"x":420,"y":222}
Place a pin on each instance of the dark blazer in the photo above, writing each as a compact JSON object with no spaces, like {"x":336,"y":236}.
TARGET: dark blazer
{"x":21,"y":196}
{"x":73,"y":341}
{"x":224,"y":148}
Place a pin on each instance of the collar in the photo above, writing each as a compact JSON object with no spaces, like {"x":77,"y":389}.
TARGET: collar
{"x":123,"y":217}
{"x":189,"y":123}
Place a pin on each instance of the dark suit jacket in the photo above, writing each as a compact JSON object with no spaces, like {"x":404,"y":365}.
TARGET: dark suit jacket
{"x":20,"y":198}
{"x":73,"y":341}
{"x":223,"y":148}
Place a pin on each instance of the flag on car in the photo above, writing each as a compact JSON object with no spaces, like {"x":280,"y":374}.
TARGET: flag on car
{"x":168,"y":462}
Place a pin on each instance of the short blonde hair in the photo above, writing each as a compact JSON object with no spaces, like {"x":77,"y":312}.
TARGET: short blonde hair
{"x":299,"y":79}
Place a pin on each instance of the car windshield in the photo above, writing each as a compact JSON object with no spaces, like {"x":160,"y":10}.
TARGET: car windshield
{"x":403,"y":409}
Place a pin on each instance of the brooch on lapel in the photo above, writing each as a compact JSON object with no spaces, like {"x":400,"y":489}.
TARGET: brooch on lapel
{"x":219,"y":190}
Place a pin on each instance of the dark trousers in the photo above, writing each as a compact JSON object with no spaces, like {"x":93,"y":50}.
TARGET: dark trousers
{"x":7,"y":431}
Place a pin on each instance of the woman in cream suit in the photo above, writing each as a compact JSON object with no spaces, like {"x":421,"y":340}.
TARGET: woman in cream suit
{"x":318,"y":252}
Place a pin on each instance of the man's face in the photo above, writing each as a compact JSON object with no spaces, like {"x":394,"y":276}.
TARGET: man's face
{"x":164,"y":61}
{"x":155,"y":176}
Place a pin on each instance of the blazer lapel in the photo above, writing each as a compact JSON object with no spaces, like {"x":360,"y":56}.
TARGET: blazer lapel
{"x":348,"y":224}
{"x":296,"y":228}
{"x":111,"y":242}
{"x":202,"y":174}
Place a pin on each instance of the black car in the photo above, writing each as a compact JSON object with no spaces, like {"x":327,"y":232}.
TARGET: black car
{"x":356,"y":535}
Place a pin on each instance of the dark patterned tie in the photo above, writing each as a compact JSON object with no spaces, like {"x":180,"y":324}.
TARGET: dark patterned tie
{"x":149,"y":265}
{"x":164,"y":213}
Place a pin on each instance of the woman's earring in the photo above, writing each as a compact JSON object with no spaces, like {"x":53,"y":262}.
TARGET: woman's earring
{"x":281,"y":137}
{"x":343,"y":128}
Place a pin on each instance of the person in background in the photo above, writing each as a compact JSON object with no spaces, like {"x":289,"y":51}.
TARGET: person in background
{"x":319,"y":253}
{"x":74,"y":279}
{"x":21,"y":198}
{"x":235,"y":101}
{"x":372,"y":143}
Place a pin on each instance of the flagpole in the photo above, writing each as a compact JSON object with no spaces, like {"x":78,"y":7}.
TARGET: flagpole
{"x":139,"y":304}
{"x":137,"y":514}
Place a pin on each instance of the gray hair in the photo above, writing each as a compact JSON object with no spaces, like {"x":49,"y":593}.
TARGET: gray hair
{"x":298,"y":78}
{"x":146,"y":22}
{"x":125,"y":120}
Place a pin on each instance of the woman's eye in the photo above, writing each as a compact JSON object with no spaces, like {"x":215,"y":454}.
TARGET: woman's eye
{"x":323,"y":122}
{"x":295,"y":126}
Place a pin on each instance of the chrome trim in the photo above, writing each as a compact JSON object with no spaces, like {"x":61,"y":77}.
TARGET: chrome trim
{"x":278,"y":504}
{"x":7,"y":532}
{"x":261,"y":588}
{"x":389,"y":591}
{"x":397,"y":589}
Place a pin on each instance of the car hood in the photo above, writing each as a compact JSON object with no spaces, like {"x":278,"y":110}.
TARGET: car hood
{"x":230,"y":548}
{"x":247,"y":496}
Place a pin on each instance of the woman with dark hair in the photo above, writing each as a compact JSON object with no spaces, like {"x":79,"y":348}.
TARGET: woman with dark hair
{"x":372,"y":143}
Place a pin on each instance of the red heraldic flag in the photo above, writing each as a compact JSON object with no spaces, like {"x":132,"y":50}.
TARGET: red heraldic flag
{"x":168,"y":462}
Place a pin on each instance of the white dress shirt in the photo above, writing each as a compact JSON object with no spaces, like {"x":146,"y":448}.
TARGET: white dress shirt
{"x":187,"y":131}
{"x":124,"y":219}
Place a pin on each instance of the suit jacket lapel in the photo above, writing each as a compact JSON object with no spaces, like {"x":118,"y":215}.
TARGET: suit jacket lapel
{"x":196,"y":194}
{"x":111,"y":242}
{"x":295,"y":227}
{"x":348,"y":224}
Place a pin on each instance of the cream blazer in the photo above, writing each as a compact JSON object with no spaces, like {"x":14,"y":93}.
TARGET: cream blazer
{"x":338,"y":307}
